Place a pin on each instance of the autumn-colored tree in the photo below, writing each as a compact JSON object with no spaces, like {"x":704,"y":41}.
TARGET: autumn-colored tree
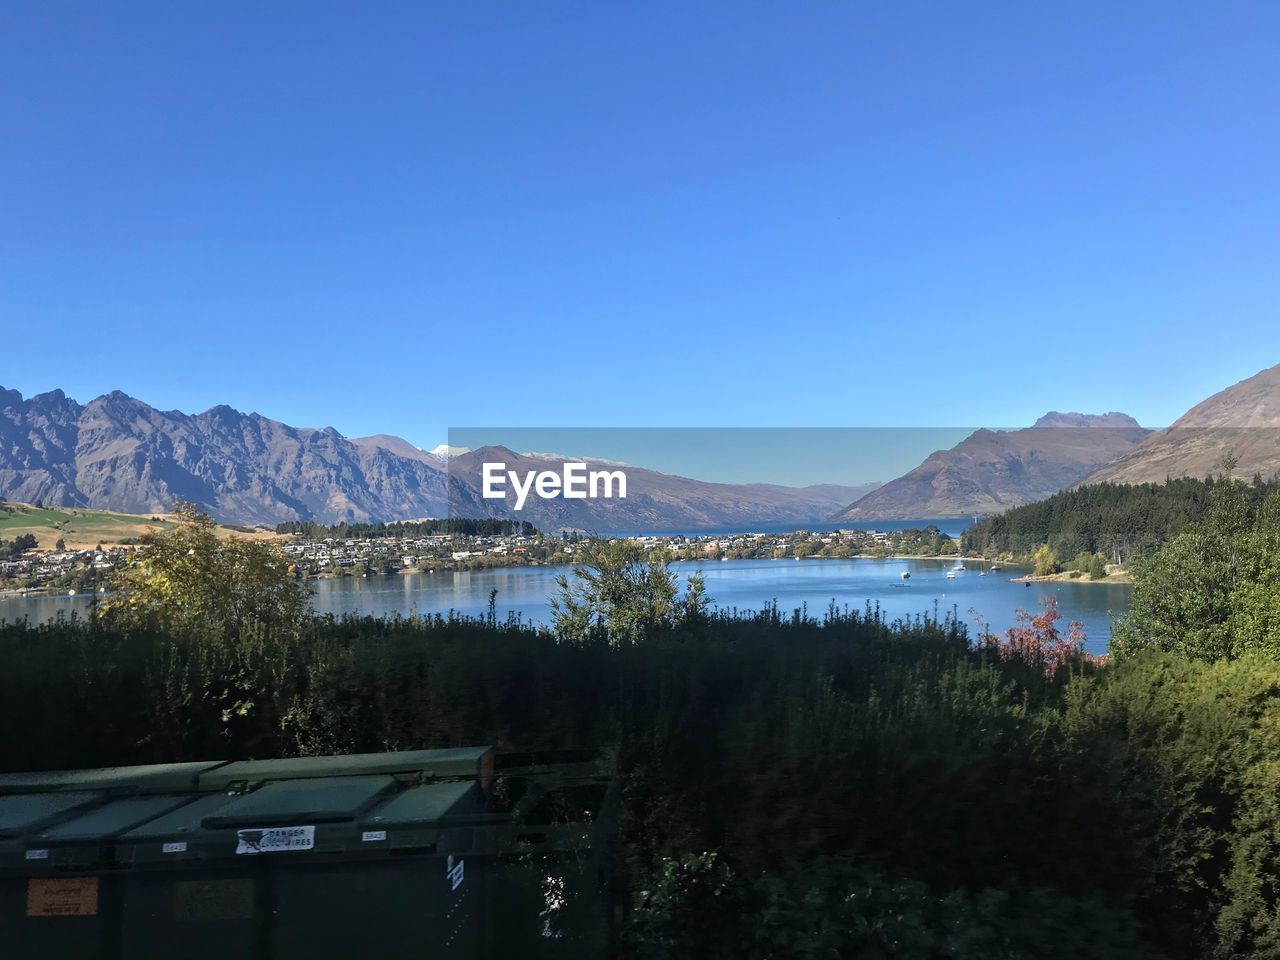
{"x":190,"y":580}
{"x":1045,"y":560}
{"x":1035,"y":639}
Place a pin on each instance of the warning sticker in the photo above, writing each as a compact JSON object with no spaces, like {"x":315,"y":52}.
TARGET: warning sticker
{"x":275,"y":840}
{"x":63,"y":897}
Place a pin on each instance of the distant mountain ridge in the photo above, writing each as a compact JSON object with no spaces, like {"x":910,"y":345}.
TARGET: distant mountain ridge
{"x":990,"y":471}
{"x":118,"y":453}
{"x":654,"y":501}
{"x":1240,"y":424}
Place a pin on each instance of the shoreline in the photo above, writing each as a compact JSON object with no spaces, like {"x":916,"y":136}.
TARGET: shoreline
{"x":1120,"y":579}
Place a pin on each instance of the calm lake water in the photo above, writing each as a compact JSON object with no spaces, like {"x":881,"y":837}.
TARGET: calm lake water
{"x":741,"y":584}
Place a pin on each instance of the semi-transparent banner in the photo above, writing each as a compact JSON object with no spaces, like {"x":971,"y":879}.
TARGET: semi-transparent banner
{"x":641,"y":480}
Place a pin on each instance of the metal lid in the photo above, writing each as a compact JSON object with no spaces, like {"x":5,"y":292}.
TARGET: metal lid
{"x":181,"y":822}
{"x":109,"y":820}
{"x":427,"y":803}
{"x":23,"y":813}
{"x":154,"y":778}
{"x":317,"y":800}
{"x":453,"y":762}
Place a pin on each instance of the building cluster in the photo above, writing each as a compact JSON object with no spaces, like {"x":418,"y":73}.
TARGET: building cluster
{"x":37,"y":568}
{"x":334,"y":556}
{"x":803,"y":543}
{"x":439,"y":551}
{"x":386,"y":554}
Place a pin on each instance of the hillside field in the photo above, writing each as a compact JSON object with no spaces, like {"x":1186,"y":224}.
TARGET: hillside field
{"x":82,"y":528}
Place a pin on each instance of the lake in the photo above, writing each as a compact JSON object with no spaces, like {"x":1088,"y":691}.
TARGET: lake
{"x":741,"y":584}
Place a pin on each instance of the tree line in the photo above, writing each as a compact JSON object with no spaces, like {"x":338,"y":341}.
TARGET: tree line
{"x":1119,"y":522}
{"x":458,"y":526}
{"x":11,"y":549}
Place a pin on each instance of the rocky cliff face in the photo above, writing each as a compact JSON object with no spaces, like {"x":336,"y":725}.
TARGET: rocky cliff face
{"x":991,"y":471}
{"x":1239,"y":425}
{"x":118,"y":453}
{"x":37,"y":446}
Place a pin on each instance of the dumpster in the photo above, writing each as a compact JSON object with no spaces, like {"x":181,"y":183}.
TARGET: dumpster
{"x":301,"y":868}
{"x":202,"y":876}
{"x":21,"y":816}
{"x":405,"y":868}
{"x":439,"y":853}
{"x":60,"y":899}
{"x":182,"y":892}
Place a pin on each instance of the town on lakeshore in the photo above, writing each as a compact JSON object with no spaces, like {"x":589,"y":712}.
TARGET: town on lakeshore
{"x":407,"y":548}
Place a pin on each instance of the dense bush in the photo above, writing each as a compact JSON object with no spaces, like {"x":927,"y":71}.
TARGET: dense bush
{"x":1214,"y":590}
{"x":835,"y":907}
{"x":869,"y":789}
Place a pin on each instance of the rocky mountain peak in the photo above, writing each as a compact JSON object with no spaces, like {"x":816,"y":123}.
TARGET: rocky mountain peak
{"x":1113,"y":419}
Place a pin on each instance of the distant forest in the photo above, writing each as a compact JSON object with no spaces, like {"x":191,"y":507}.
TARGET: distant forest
{"x":408,"y":528}
{"x":1119,"y":521}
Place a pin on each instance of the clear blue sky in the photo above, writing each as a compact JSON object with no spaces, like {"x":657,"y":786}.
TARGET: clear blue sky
{"x":401,"y":217}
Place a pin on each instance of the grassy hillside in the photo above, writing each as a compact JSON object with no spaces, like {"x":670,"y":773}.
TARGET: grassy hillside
{"x":79,"y":528}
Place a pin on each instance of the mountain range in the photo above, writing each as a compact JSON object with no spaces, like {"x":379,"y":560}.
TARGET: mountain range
{"x":1237,"y":427}
{"x":118,"y":453}
{"x":992,"y":470}
{"x":654,"y":501}
{"x":1235,"y":431}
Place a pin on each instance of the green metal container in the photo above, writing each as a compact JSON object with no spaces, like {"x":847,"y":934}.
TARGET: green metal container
{"x":308,"y":868}
{"x":21,"y":816}
{"x":185,"y":893}
{"x":420,"y":853}
{"x":62,"y":899}
{"x":205,"y":875}
{"x":403,"y":865}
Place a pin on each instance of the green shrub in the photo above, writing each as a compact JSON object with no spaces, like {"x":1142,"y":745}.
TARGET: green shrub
{"x":870,"y":789}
